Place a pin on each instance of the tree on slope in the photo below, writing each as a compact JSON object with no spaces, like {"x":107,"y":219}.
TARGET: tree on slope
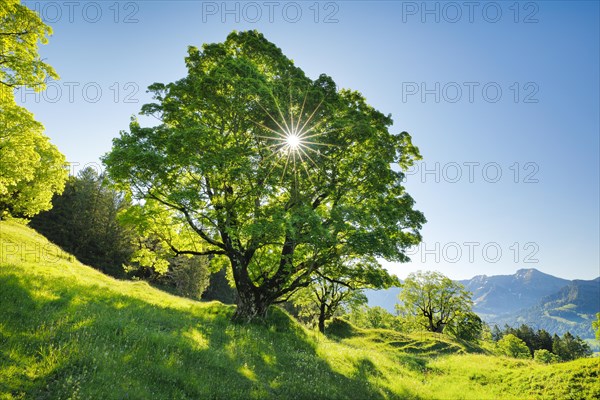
{"x":84,"y":222}
{"x":466,"y":326}
{"x":275,"y":172}
{"x":31,"y":168}
{"x":433,"y":300}
{"x":335,"y":286}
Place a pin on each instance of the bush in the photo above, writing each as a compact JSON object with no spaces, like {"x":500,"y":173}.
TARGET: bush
{"x":546,"y":357}
{"x":374,"y":318}
{"x":512,"y":346}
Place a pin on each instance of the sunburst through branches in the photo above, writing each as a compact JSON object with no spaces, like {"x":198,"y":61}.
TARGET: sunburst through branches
{"x":295,"y":138}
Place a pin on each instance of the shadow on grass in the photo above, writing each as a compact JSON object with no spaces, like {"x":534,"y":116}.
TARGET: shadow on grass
{"x":59,"y":340}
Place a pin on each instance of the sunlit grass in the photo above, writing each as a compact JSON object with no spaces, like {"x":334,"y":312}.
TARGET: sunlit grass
{"x":68,"y":331}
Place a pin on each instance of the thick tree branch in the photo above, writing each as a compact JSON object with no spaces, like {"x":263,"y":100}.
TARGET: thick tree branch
{"x":200,"y":231}
{"x":189,"y":220}
{"x":14,"y":33}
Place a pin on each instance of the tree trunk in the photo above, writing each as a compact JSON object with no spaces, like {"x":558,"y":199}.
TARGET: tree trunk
{"x":252,"y":302}
{"x":322,"y":318}
{"x":431,"y":326}
{"x":251,"y":307}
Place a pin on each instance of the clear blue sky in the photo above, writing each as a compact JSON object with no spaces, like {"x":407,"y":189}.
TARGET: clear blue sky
{"x":485,"y":88}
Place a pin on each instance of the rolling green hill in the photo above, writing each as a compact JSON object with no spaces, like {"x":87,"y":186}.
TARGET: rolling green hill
{"x":70,"y":332}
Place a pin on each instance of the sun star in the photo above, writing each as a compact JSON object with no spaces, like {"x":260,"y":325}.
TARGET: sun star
{"x":294,"y":137}
{"x":293,"y":141}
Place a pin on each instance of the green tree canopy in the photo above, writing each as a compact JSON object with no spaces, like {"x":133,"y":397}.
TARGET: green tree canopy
{"x":569,"y":347}
{"x":466,"y":326}
{"x":434,"y":300}
{"x":275,"y":172}
{"x":21,"y":29}
{"x":31,"y":168}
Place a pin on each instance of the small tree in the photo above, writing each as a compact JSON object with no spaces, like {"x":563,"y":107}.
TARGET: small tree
{"x":512,"y":346}
{"x":466,"y":326}
{"x":324,"y":299}
{"x":433,"y":300}
{"x":340,"y":284}
{"x":596,"y":326}
{"x":190,"y":275}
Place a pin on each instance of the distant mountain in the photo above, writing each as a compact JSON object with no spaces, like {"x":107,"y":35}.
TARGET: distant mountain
{"x":572,"y":308}
{"x":383,"y":298}
{"x":500,"y":295}
{"x":529,"y":296}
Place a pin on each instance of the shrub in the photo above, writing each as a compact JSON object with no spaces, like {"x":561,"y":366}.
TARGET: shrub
{"x":373,"y":317}
{"x":546,"y":357}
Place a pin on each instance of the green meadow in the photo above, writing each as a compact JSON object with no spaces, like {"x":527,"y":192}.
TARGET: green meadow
{"x":69,"y":332}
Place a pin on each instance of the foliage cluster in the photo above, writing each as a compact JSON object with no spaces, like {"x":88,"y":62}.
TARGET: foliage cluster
{"x":565,"y":348}
{"x":31,"y":168}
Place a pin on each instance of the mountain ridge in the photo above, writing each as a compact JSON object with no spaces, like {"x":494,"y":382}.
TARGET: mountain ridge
{"x":500,"y":295}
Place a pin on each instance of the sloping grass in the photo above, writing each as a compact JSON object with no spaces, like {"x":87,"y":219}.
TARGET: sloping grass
{"x":502,"y":377}
{"x":70,"y":332}
{"x":422,"y":344}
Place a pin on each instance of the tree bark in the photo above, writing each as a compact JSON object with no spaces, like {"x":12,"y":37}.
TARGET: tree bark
{"x":322,"y":317}
{"x":430,"y":319}
{"x":252,"y":301}
{"x":251,"y":307}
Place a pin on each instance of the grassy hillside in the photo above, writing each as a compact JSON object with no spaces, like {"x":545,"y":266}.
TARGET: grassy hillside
{"x":69,"y":332}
